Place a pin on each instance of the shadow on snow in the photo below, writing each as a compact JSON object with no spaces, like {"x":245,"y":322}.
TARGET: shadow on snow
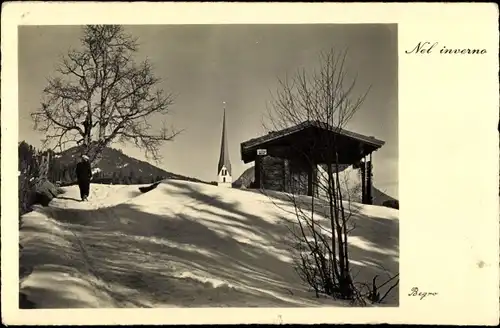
{"x":132,"y":258}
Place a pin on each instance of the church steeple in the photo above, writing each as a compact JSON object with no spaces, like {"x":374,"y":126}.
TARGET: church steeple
{"x":224,"y":167}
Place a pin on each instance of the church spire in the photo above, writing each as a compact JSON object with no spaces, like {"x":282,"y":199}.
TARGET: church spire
{"x":224,"y":149}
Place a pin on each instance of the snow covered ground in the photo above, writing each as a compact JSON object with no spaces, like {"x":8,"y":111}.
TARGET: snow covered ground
{"x":182,"y":244}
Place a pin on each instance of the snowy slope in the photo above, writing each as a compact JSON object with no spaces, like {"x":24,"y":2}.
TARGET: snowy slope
{"x":181,"y":244}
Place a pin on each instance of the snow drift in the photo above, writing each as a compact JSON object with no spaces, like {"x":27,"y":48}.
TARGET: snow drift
{"x":182,"y":244}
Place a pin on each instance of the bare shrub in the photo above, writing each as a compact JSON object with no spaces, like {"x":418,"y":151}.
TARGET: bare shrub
{"x":325,"y":99}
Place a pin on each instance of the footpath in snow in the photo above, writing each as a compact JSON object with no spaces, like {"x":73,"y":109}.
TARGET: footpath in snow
{"x":182,"y":244}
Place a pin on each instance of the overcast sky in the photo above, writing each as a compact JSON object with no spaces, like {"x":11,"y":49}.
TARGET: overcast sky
{"x":206,"y":65}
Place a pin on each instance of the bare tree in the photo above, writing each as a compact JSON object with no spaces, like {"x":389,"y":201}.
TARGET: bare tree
{"x":326,"y":98}
{"x":101,"y":94}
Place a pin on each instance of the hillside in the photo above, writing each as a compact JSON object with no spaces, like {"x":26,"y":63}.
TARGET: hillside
{"x":183,"y":244}
{"x":115,"y":162}
{"x":379,"y":197}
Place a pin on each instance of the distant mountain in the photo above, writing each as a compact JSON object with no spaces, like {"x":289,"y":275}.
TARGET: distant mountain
{"x":379,"y":197}
{"x":115,"y":162}
{"x":245,"y":178}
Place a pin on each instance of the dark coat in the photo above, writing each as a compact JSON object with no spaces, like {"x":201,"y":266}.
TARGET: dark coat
{"x":83,"y":171}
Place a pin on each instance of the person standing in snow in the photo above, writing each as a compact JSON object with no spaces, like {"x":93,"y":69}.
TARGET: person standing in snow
{"x":83,"y":176}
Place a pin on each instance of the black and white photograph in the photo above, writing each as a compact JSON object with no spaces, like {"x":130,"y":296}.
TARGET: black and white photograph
{"x":237,"y":165}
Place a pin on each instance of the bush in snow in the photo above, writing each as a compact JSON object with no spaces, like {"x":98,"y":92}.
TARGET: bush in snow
{"x":33,"y":187}
{"x":391,"y":203}
{"x":149,"y":188}
{"x":44,"y":192}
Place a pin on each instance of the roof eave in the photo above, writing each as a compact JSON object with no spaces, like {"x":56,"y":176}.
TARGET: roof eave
{"x":249,"y":144}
